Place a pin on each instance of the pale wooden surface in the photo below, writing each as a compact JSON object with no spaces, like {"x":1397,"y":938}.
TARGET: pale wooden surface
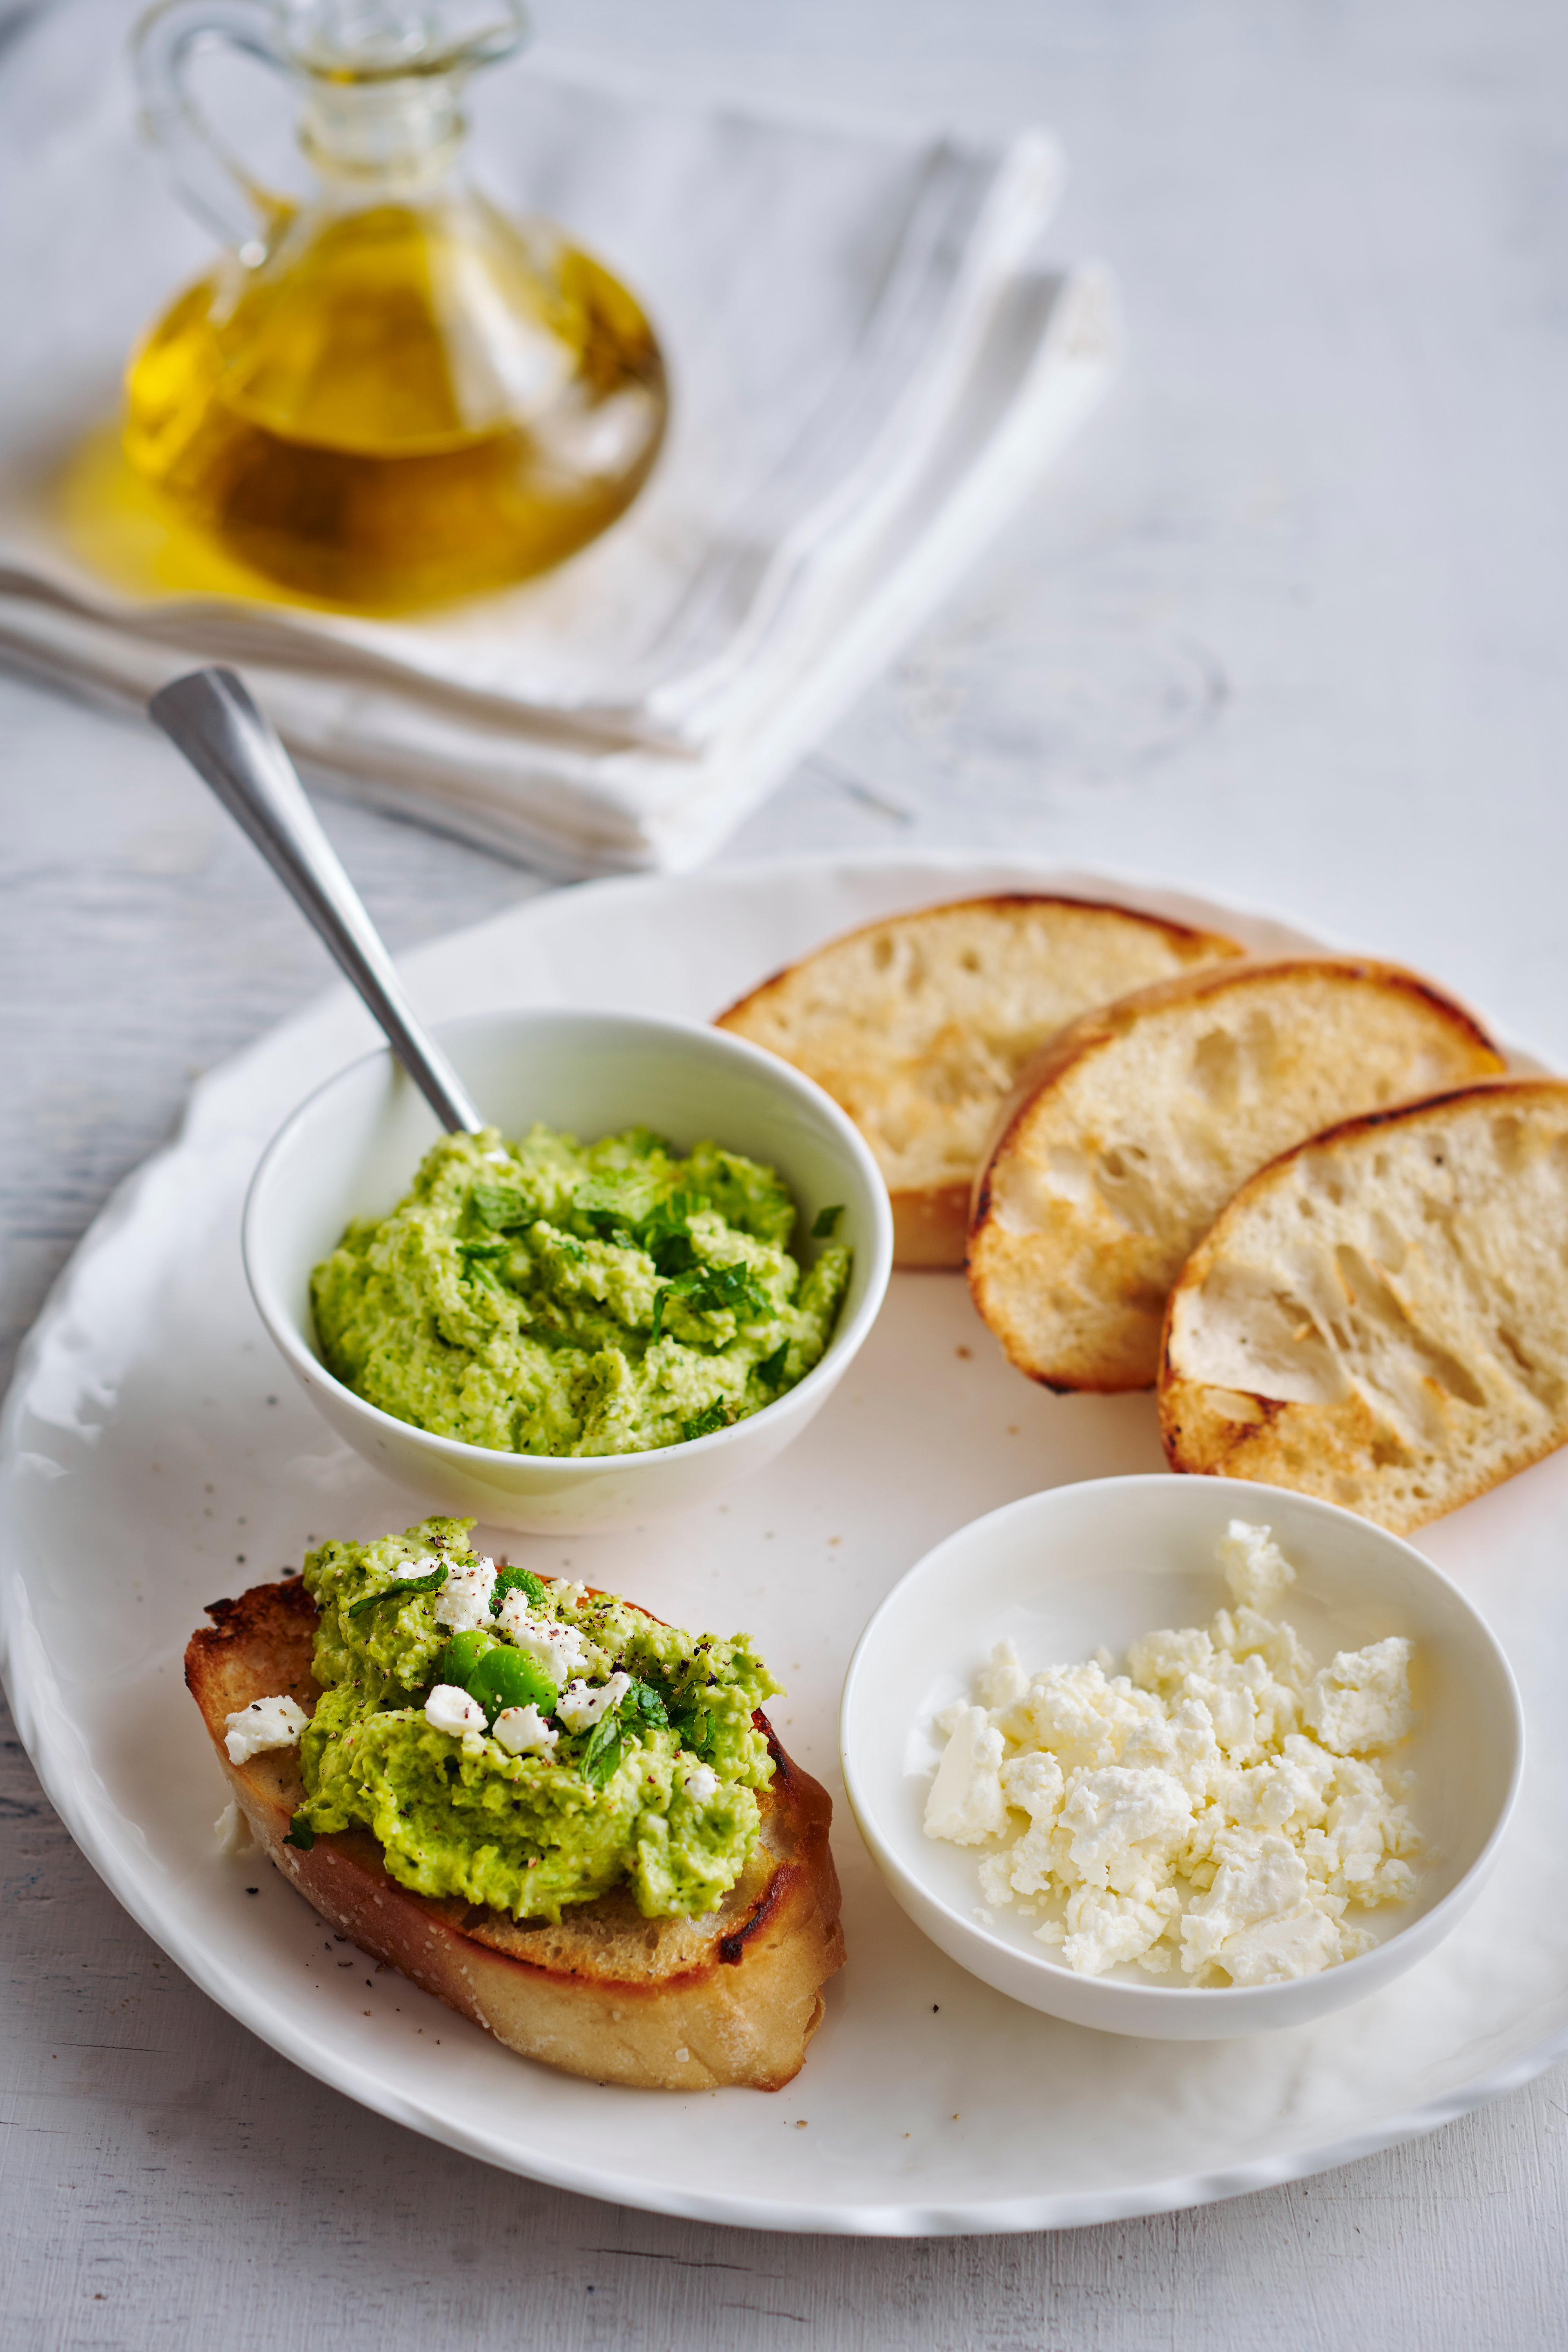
{"x":1289,"y":625}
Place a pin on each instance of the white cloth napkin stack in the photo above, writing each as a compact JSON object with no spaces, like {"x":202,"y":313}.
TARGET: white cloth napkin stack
{"x":869,"y":367}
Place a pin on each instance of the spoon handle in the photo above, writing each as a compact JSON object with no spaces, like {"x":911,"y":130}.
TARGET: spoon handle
{"x":210,"y":717}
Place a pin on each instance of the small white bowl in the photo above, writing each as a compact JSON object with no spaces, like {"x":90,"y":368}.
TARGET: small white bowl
{"x":1105,"y":1562}
{"x":351,"y":1151}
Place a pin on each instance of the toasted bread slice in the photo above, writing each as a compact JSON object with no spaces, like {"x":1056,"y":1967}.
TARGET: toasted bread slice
{"x":663,"y":2004}
{"x":1381,"y":1316}
{"x":919,"y":1027}
{"x":1133,"y":1128}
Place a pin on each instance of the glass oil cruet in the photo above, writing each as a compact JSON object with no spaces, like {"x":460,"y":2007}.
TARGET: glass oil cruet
{"x":390,"y":394}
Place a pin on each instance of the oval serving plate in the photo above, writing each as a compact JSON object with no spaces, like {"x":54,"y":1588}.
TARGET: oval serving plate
{"x":154,"y":1457}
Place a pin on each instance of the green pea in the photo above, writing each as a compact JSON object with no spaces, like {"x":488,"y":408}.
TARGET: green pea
{"x":506,"y":1677}
{"x":462,"y":1655}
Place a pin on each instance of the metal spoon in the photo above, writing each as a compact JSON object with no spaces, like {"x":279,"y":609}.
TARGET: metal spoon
{"x":210,"y":717}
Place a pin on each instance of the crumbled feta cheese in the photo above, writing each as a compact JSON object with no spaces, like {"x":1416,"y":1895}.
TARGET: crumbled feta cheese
{"x":232,"y":1829}
{"x":1182,"y":1813}
{"x":1003,"y":1682}
{"x":701,"y":1784}
{"x":265,"y":1723}
{"x":1081,"y":1717}
{"x":1256,"y":1570}
{"x":557,"y":1648}
{"x":1362,"y":1700}
{"x":1103,"y":1929}
{"x":449,"y":1708}
{"x":1275,"y":1950}
{"x":463,"y":1603}
{"x":1161,"y":1661}
{"x":522,"y":1731}
{"x":581,"y":1706}
{"x":966,"y":1803}
{"x":1123,"y":1826}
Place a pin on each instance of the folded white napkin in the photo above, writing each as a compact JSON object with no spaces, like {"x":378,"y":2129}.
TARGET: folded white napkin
{"x":869,"y":365}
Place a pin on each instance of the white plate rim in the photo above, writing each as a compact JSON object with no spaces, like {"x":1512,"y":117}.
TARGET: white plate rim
{"x":51,"y":1757}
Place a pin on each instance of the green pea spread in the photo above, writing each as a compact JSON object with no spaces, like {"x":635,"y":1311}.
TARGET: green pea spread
{"x":657,"y":1795}
{"x":546,"y":1297}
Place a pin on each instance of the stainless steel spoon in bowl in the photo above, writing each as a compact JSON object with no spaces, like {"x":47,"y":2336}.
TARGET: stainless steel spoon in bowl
{"x":210,"y":717}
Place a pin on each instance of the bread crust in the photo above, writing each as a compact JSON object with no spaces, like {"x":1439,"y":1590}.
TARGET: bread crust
{"x":931,"y":1219}
{"x":608,"y":1995}
{"x":1113,"y":1282}
{"x":1345,"y":1447}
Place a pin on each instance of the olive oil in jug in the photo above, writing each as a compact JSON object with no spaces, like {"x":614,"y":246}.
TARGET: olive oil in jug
{"x":393,"y":394}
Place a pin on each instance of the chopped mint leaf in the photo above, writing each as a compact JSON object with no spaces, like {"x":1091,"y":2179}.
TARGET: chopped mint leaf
{"x":771,"y":1368}
{"x":500,"y":1206}
{"x":616,"y":1730}
{"x":402,"y":1590}
{"x":822,"y":1231}
{"x":478,"y":1260}
{"x":301,"y":1833}
{"x":515,"y":1580}
{"x":602,"y":1757}
{"x":647,"y":1702}
{"x":666,"y":1233}
{"x":709,"y":1289}
{"x":672,"y":1253}
{"x":691,"y":1730}
{"x":716,"y":1415}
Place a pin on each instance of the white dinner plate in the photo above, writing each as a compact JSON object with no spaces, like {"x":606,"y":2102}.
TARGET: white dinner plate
{"x":157,"y":1455}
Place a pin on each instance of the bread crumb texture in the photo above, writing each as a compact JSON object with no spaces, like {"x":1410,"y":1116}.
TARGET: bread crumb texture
{"x":918,"y":1027}
{"x":1139,"y":1122}
{"x":1381,"y":1317}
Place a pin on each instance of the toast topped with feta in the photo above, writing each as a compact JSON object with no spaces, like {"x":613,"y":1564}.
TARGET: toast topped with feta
{"x":657,"y":1921}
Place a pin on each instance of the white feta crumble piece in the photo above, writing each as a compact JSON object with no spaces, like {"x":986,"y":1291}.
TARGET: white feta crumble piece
{"x":232,"y":1829}
{"x":701,"y":1784}
{"x":966,"y":1803}
{"x":1256,"y":1570}
{"x":1362,"y":1700}
{"x":1003,"y":1683}
{"x":582,"y":1706}
{"x":557,"y":1648}
{"x":522,"y":1731}
{"x":1182,"y":1817}
{"x":463,"y":1603}
{"x":1125,"y":1827}
{"x":265,"y":1723}
{"x":449,"y":1708}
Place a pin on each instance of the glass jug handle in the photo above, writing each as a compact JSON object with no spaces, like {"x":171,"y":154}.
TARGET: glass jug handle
{"x":213,"y":183}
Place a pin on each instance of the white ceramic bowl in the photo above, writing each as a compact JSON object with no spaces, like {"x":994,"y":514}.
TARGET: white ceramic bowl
{"x":352,"y":1150}
{"x":1104,"y":1562}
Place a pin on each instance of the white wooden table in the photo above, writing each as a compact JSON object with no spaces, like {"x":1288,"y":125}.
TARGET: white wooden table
{"x":1289,"y":626}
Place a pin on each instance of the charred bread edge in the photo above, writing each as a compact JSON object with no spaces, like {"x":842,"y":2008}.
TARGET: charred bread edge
{"x":1227,"y":949}
{"x":931,"y":1224}
{"x":1093,"y":1032}
{"x":1197,"y":1266}
{"x":794,"y":1921}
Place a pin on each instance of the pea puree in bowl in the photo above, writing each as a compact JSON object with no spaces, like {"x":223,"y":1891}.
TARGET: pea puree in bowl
{"x":571,"y":1338}
{"x":544,"y":1296}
